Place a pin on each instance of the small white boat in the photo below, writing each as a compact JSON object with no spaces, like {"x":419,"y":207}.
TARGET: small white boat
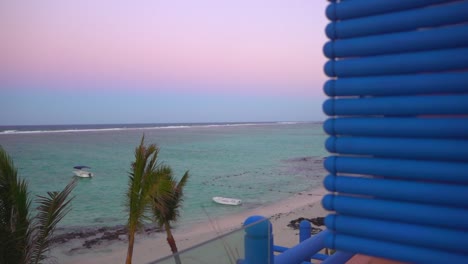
{"x":80,"y":171}
{"x":227,"y":201}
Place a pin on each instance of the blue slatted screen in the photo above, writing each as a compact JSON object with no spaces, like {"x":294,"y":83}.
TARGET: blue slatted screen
{"x":398,"y":126}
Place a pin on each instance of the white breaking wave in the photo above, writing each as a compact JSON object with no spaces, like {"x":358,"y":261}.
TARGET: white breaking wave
{"x":288,"y":123}
{"x":9,"y":132}
{"x":86,"y":130}
{"x":79,"y":130}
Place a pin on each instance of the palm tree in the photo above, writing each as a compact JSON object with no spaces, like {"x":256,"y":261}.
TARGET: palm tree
{"x":166,"y":209}
{"x":14,"y":209}
{"x":146,"y":179}
{"x":24,"y":239}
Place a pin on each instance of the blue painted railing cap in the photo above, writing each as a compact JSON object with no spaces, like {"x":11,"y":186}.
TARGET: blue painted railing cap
{"x":330,"y":11}
{"x":257,"y":225}
{"x":329,"y":68}
{"x":330,"y":144}
{"x":330,"y":30}
{"x":329,"y":50}
{"x":330,"y":164}
{"x":328,"y":107}
{"x":329,"y":88}
{"x":304,"y":224}
{"x":253,"y":219}
{"x":329,"y":126}
{"x":327,"y":202}
{"x":329,"y":183}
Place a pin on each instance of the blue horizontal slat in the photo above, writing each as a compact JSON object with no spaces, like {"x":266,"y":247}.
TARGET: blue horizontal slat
{"x":361,"y":8}
{"x":447,"y":82}
{"x":303,"y":250}
{"x":399,"y":106}
{"x":423,"y":236}
{"x":403,"y":148}
{"x":432,"y":16}
{"x":450,"y":172}
{"x":398,"y":127}
{"x":438,"y":38}
{"x":404,"y":63}
{"x":398,"y":190}
{"x":411,"y":213}
{"x":394,"y":251}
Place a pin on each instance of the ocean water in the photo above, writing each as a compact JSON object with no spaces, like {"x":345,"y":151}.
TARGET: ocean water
{"x":257,"y":162}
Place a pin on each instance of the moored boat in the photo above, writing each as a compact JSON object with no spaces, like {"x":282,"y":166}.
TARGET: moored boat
{"x":81,"y":171}
{"x":227,"y":201}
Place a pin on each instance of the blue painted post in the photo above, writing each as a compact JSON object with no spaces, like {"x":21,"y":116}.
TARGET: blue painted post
{"x":305,"y":230}
{"x":258,"y":241}
{"x":307,"y":248}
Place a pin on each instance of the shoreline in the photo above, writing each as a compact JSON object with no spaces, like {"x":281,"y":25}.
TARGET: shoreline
{"x":152,"y":245}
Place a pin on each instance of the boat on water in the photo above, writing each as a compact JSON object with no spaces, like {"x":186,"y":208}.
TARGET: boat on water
{"x":227,"y":201}
{"x":81,"y":171}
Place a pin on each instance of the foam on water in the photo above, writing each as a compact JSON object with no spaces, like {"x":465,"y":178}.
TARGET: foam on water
{"x":111,"y":127}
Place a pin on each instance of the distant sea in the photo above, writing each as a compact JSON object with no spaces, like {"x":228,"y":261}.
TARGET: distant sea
{"x":257,"y":162}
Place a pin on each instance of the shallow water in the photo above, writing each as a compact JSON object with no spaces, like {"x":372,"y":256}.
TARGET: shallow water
{"x":258,"y":163}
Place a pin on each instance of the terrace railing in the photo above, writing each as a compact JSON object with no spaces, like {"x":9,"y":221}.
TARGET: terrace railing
{"x":253,"y":244}
{"x":398,"y":129}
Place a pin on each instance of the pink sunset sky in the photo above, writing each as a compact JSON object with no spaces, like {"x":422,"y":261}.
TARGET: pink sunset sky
{"x":113,"y":61}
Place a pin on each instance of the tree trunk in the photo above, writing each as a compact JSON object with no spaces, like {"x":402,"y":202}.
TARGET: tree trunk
{"x":131,"y":241}
{"x":172,"y":243}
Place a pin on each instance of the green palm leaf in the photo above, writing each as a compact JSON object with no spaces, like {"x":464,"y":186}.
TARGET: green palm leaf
{"x":166,"y":206}
{"x":51,"y":210}
{"x":14,"y":212}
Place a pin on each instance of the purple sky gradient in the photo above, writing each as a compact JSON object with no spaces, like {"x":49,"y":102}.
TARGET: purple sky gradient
{"x":115,"y":61}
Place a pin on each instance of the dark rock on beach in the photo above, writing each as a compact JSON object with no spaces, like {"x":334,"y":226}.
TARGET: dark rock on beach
{"x":107,"y":236}
{"x":95,"y":236}
{"x":317,"y":221}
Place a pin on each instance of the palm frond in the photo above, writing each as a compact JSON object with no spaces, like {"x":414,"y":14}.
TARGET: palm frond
{"x":8,"y":181}
{"x":166,"y":203}
{"x":178,"y":197}
{"x":7,"y":167}
{"x":183,"y":181}
{"x":166,"y":206}
{"x":135,"y":183}
{"x":14,"y":212}
{"x":51,"y":210}
{"x":162,"y":195}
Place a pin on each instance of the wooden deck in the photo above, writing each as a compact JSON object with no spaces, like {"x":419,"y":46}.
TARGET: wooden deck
{"x":363,"y":259}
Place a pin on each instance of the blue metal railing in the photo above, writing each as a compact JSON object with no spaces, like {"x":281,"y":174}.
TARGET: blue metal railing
{"x":412,"y":213}
{"x":259,"y":245}
{"x":398,"y":127}
{"x":398,"y":190}
{"x":397,"y":232}
{"x":433,"y":171}
{"x":394,"y":85}
{"x":431,"y":16}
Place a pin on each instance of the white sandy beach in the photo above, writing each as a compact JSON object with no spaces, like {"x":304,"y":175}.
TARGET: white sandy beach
{"x":153,"y":247}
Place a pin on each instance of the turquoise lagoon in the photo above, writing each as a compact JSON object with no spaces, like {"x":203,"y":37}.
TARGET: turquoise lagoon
{"x":257,"y":162}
